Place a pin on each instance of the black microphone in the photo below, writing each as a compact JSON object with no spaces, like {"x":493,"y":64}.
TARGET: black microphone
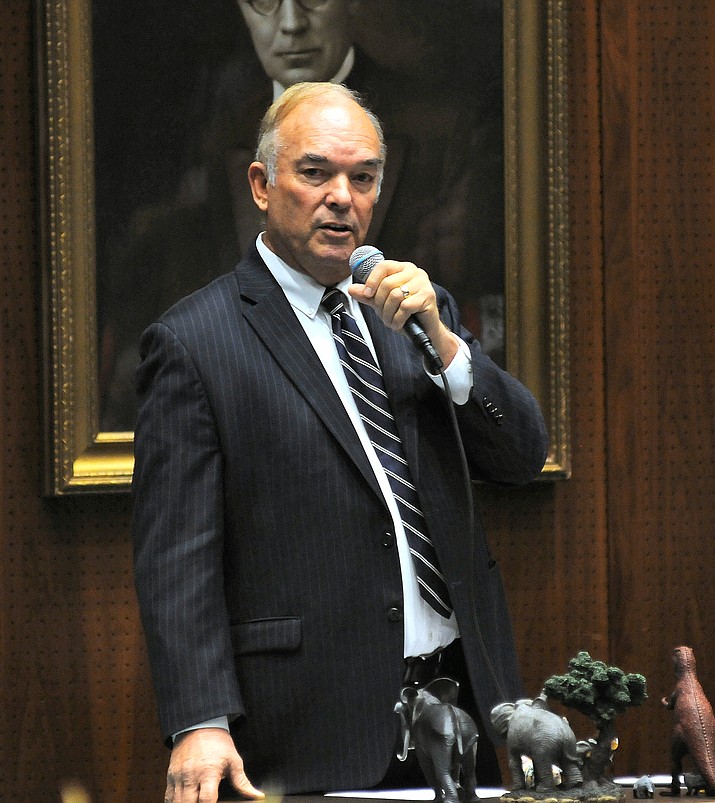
{"x":362,"y":261}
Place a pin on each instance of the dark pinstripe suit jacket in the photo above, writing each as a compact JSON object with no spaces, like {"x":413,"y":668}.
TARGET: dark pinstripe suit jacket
{"x":267,"y":587}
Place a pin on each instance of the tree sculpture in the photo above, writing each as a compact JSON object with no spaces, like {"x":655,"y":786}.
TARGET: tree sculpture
{"x":600,"y":692}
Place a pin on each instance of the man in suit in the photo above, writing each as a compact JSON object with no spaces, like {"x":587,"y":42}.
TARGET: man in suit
{"x":281,"y":606}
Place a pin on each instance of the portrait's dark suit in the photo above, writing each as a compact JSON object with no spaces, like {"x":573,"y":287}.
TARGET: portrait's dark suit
{"x":441,"y":206}
{"x":267,"y":574}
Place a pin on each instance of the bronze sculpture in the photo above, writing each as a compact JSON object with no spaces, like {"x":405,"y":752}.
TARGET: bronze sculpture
{"x":694,"y":724}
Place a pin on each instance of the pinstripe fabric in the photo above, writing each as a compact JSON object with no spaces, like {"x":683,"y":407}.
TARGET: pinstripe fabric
{"x":364,"y":378}
{"x":254,"y":601}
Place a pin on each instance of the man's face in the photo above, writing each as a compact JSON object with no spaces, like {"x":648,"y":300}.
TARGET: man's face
{"x":295,"y":44}
{"x":320,"y":207}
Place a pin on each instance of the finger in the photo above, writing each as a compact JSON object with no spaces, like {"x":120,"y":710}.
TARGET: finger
{"x":186,"y":793}
{"x":382,"y":272}
{"x":187,"y":787}
{"x":240,"y":781}
{"x":408,"y":299}
{"x":398,"y":306}
{"x":181,"y":788}
{"x":208,"y":791}
{"x":370,"y":286}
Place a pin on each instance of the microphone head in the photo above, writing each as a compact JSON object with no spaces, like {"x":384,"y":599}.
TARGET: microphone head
{"x":363,"y":260}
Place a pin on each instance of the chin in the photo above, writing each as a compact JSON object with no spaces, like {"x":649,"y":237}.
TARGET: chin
{"x":336,"y":253}
{"x":329,"y":273}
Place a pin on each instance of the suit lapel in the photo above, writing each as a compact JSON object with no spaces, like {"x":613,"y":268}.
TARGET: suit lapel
{"x":268,"y":312}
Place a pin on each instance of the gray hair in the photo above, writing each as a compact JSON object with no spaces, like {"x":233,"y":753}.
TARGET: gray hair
{"x":269,"y":142}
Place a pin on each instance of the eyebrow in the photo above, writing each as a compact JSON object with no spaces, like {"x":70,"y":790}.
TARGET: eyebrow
{"x":316,"y":158}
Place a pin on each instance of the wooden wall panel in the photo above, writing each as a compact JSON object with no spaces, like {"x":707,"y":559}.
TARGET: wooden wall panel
{"x":615,"y":560}
{"x":554,"y":549}
{"x":75,"y":695}
{"x":658,"y":93}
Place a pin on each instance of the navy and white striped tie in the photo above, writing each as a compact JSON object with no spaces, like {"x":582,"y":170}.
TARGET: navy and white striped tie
{"x":365,"y":380}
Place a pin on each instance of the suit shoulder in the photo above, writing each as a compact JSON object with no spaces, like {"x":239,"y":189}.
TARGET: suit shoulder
{"x":208,"y":303}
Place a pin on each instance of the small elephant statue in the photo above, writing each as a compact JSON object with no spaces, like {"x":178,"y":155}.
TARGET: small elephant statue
{"x":694,"y":783}
{"x":644,"y":788}
{"x":531,"y":729}
{"x":444,"y":738}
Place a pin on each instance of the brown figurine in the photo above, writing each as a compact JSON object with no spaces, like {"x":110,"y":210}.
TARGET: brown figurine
{"x":694,"y":725}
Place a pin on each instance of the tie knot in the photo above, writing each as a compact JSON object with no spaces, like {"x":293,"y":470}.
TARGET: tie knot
{"x":333,"y":300}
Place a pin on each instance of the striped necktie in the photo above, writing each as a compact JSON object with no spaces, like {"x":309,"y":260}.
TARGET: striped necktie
{"x":365,"y":380}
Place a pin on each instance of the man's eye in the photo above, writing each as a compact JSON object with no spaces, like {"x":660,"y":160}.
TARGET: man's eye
{"x":364,"y":178}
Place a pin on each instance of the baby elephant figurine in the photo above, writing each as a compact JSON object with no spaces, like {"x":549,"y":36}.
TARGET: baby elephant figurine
{"x":531,"y":729}
{"x":694,"y":783}
{"x":643,"y":788}
{"x":444,"y":738}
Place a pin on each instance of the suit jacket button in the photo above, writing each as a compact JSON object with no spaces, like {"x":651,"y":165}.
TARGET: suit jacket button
{"x":388,"y":540}
{"x":394,"y":615}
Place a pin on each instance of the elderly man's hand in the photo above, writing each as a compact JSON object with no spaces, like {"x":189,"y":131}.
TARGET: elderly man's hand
{"x":199,"y":760}
{"x":397,"y":290}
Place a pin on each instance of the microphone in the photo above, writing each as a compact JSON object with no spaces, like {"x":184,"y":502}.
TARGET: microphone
{"x":362,"y":261}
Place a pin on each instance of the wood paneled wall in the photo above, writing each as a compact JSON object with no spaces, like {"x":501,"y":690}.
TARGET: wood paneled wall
{"x":658,"y":143}
{"x":617,"y":560}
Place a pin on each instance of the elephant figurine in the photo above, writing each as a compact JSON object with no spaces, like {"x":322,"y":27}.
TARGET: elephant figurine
{"x":531,"y":729}
{"x":644,"y":788}
{"x":694,"y":783}
{"x":444,"y":738}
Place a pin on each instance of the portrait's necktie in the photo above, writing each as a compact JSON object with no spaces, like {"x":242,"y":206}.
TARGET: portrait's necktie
{"x":365,"y":380}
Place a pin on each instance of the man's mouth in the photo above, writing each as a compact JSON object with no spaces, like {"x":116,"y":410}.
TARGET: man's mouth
{"x":307,"y":53}
{"x":336,"y":227}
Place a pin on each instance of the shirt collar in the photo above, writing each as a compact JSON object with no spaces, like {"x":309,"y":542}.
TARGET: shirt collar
{"x":302,"y":291}
{"x":338,"y":78}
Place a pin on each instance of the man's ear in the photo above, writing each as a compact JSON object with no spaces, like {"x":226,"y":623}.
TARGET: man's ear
{"x":258,"y":180}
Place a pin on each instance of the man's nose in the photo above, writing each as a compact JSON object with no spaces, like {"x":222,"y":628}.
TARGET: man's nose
{"x":339,"y":192}
{"x":293,"y":17}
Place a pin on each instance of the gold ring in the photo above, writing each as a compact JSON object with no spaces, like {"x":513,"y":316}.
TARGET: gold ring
{"x":405,"y":291}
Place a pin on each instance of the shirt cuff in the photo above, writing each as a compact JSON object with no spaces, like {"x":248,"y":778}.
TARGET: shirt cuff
{"x":459,"y":374}
{"x":216,"y":722}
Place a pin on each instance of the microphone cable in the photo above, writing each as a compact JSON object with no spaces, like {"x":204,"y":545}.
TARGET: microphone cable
{"x":471,"y":523}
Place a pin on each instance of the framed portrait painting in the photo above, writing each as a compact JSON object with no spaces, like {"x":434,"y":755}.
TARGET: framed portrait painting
{"x":148,"y":120}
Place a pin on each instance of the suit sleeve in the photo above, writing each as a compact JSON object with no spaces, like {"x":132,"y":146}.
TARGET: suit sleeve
{"x":178,"y":539}
{"x":502,"y":426}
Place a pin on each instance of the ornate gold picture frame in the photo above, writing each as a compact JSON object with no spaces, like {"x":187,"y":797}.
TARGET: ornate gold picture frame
{"x":80,"y":456}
